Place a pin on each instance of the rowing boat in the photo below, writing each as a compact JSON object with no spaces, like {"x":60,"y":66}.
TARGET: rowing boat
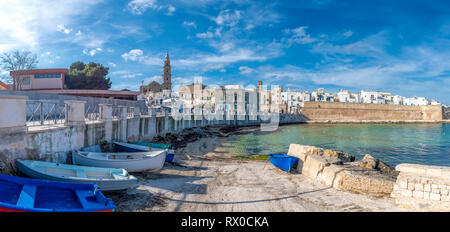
{"x":132,"y":161}
{"x":283,"y":161}
{"x":18,"y":194}
{"x":108,"y":179}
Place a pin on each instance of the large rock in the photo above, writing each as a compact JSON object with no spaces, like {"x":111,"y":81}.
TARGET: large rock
{"x":336,"y":169}
{"x":366,"y":181}
{"x":314,"y":165}
{"x":368,"y":162}
{"x":301,"y":151}
{"x":371,"y":162}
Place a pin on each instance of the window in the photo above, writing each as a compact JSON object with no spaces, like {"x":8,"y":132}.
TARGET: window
{"x":39,"y":76}
{"x":26,"y":81}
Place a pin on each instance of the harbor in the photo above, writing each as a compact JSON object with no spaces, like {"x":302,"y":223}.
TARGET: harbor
{"x":224,"y":106}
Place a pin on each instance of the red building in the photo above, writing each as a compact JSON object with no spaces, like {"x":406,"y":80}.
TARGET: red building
{"x":52,"y":81}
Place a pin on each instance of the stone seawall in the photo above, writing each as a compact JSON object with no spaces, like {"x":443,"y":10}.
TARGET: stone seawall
{"x":55,"y":142}
{"x":339,"y":170}
{"x":423,"y":187}
{"x":336,"y":111}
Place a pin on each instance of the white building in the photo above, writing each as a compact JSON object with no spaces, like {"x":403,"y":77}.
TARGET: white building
{"x":294,"y":100}
{"x":320,"y":96}
{"x":374,"y":97}
{"x":415,"y":101}
{"x":348,"y":97}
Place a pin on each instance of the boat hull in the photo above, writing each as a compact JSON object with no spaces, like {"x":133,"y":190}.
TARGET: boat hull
{"x":283,"y":161}
{"x":170,"y":153}
{"x":105,"y":184}
{"x":18,"y":194}
{"x":150,"y":164}
{"x":127,"y":147}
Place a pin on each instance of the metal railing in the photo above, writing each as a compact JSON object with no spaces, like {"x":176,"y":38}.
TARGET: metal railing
{"x":42,"y":112}
{"x":92,"y":112}
{"x":115,"y":112}
{"x":130,"y":112}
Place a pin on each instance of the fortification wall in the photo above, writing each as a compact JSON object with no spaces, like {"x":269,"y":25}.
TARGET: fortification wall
{"x":351,"y":111}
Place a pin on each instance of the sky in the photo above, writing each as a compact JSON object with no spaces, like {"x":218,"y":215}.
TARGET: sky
{"x":398,"y":46}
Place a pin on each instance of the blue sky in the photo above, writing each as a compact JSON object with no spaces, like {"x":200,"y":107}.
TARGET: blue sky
{"x":397,"y":46}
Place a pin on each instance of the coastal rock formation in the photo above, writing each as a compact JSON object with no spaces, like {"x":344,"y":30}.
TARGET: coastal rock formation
{"x":301,"y":151}
{"x":337,"y":169}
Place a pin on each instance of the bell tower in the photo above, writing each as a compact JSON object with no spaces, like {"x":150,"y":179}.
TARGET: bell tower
{"x":167,"y":74}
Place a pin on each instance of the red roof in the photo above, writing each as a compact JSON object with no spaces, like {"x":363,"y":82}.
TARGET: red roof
{"x":4,"y":85}
{"x":39,"y":71}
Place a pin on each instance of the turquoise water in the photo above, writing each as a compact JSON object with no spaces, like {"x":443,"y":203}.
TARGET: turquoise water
{"x":392,"y":143}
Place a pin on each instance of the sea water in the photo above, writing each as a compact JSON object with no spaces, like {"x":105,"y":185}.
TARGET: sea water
{"x":392,"y":143}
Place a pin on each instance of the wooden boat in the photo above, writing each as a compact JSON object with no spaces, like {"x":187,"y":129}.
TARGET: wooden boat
{"x":18,"y":194}
{"x":132,"y":162}
{"x":283,"y":161}
{"x":170,"y":153}
{"x":108,"y":179}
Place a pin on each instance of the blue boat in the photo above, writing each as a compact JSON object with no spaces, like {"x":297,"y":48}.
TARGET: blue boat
{"x":283,"y":161}
{"x":18,"y":194}
{"x":170,"y":153}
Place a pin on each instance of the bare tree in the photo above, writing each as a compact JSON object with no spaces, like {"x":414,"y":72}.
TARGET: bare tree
{"x":18,"y":60}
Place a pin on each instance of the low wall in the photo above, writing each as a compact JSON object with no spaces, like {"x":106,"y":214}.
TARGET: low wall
{"x":56,"y":142}
{"x":90,"y":101}
{"x":422,"y":187}
{"x":351,"y":111}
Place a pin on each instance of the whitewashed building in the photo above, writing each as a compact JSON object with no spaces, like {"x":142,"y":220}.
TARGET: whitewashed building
{"x":320,"y":95}
{"x":374,"y":97}
{"x":295,"y":100}
{"x":348,"y":97}
{"x":415,"y":101}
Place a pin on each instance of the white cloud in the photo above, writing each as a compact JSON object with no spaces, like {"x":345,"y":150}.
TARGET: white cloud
{"x":228,"y":18}
{"x":372,"y":46}
{"x":190,"y":24}
{"x":25,"y":22}
{"x":140,"y":6}
{"x":348,"y":33}
{"x":133,"y":55}
{"x":299,"y":36}
{"x":92,"y":52}
{"x":170,"y":10}
{"x":245,"y":70}
{"x":125,"y":74}
{"x":138,"y":55}
{"x":205,"y":35}
{"x":113,"y":65}
{"x":61,"y":28}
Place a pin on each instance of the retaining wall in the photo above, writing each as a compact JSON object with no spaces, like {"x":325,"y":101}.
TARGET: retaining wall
{"x":351,"y":111}
{"x":423,"y":187}
{"x":55,"y":142}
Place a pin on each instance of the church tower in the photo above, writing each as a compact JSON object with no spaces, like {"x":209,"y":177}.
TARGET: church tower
{"x":167,"y":74}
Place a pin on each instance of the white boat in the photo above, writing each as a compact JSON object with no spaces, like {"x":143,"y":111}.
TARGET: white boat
{"x":133,"y":162}
{"x":108,"y":179}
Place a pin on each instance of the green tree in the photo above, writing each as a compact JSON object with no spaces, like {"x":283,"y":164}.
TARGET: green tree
{"x":90,"y":76}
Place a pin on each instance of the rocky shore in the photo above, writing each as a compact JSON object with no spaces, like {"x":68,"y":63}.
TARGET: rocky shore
{"x":205,"y":178}
{"x":339,"y":170}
